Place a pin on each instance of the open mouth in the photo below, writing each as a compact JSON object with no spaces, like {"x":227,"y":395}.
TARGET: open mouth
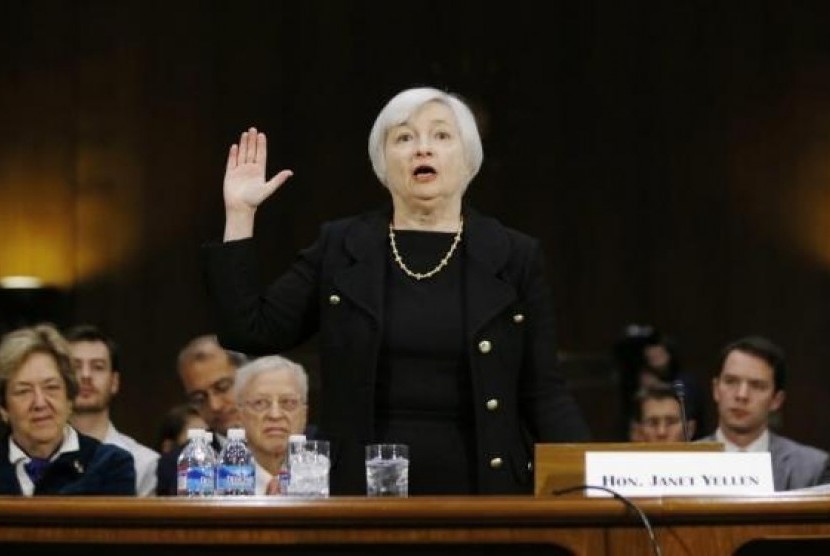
{"x":424,"y":170}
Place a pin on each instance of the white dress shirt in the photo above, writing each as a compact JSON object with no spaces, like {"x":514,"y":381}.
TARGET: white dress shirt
{"x":263,"y":477}
{"x":144,"y":459}
{"x":760,"y":444}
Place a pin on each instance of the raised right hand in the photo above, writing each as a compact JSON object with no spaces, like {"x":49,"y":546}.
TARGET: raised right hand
{"x":245,"y":186}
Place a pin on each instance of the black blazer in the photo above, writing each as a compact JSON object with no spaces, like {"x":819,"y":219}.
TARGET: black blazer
{"x":335,"y":287}
{"x":95,"y":469}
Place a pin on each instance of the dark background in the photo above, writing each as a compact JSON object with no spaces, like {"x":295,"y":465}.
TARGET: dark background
{"x":673,"y":157}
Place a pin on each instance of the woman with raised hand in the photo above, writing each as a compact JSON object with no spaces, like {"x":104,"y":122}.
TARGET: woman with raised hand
{"x":435,"y":322}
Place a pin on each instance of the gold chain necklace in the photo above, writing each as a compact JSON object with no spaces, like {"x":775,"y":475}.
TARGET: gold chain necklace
{"x":423,"y":275}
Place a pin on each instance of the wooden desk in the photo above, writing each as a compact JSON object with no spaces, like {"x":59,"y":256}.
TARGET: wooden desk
{"x":461,"y":526}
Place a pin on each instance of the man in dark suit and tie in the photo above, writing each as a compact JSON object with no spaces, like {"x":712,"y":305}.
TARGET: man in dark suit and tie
{"x":207,"y":372}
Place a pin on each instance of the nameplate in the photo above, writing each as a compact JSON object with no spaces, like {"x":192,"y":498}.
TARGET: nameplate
{"x":679,"y":473}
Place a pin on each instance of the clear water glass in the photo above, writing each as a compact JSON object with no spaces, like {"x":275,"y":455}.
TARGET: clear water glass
{"x":387,"y":470}
{"x":309,"y":466}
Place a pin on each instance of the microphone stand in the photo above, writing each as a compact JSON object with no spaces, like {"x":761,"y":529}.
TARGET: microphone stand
{"x":680,"y":392}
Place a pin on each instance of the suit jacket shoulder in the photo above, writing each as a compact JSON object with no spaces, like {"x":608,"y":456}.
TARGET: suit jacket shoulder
{"x":166,"y":472}
{"x":8,"y":476}
{"x":796,"y":465}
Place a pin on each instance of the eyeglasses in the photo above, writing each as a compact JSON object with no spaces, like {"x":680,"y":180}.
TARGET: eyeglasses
{"x":288,"y":404}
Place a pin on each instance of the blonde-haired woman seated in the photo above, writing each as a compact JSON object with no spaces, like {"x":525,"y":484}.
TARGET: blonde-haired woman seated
{"x":42,"y":453}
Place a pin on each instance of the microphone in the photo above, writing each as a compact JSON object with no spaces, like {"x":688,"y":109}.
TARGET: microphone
{"x":680,"y":391}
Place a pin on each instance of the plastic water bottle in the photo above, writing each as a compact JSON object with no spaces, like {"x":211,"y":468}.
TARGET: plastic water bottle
{"x":235,"y":474}
{"x":284,"y":477}
{"x":196,"y":466}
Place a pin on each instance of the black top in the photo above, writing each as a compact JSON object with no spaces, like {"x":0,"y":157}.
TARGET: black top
{"x":423,"y":388}
{"x":337,"y":288}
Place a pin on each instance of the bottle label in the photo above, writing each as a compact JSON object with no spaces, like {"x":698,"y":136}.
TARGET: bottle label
{"x":196,"y":481}
{"x":235,"y":479}
{"x":284,"y":479}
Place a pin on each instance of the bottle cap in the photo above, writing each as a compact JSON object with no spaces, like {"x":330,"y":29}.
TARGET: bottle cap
{"x":296,"y":438}
{"x":194,"y":433}
{"x":236,"y":434}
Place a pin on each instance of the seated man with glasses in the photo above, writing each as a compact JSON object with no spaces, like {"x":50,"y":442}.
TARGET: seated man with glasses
{"x":272,"y":395}
{"x":658,"y":417}
{"x":207,"y":372}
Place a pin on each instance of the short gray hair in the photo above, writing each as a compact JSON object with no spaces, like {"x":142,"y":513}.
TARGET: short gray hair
{"x":268,"y":364}
{"x":407,"y":102}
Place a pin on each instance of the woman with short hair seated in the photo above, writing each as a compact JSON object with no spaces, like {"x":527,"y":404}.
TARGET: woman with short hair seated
{"x":41,"y":453}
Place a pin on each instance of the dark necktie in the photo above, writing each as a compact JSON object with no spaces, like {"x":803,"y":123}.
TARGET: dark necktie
{"x":35,"y":468}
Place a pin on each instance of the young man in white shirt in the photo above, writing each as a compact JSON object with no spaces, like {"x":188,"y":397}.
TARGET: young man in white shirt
{"x":97,"y":367}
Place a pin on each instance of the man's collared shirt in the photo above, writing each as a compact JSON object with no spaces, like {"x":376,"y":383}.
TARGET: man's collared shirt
{"x":760,"y":444}
{"x":144,"y":459}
